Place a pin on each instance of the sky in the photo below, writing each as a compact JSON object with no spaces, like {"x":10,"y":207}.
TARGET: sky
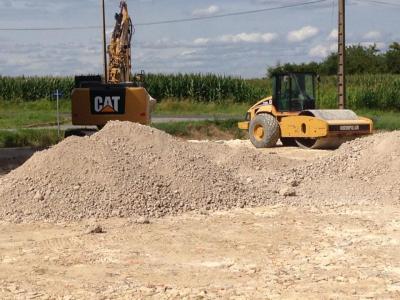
{"x":241,"y":45}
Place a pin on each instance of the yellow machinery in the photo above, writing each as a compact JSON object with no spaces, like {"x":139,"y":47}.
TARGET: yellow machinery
{"x":291,"y":116}
{"x":119,"y":50}
{"x":95,"y":102}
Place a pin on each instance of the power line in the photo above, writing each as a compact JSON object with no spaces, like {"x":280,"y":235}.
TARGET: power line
{"x":379,"y":2}
{"x":232,"y":14}
{"x":240,"y":13}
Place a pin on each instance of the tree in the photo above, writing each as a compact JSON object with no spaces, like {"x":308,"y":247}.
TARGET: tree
{"x":288,"y":68}
{"x":393,"y":58}
{"x":359,"y":59}
{"x":330,"y":65}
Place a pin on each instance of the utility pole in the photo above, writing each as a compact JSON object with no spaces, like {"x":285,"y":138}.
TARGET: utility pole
{"x":342,"y":55}
{"x":104,"y":43}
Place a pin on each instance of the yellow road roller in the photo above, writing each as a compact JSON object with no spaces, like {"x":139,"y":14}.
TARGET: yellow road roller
{"x":290,"y":115}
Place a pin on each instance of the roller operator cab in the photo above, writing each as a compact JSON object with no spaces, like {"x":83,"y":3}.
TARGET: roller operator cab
{"x":293,"y":92}
{"x":290,"y":115}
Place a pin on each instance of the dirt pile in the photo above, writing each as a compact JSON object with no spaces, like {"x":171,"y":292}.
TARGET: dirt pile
{"x":124,"y":170}
{"x":129,"y":170}
{"x":368,"y":157}
{"x":363,"y":170}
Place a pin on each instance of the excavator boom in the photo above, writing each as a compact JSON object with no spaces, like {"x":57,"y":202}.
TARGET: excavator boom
{"x":119,"y":50}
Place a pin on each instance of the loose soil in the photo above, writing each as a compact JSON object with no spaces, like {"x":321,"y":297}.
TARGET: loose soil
{"x":133,"y":213}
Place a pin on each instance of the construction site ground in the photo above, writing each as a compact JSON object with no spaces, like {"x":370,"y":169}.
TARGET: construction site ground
{"x":338,"y":250}
{"x":264,"y":253}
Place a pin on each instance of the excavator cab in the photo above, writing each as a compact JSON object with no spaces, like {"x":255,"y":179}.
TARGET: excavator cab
{"x":293,"y":92}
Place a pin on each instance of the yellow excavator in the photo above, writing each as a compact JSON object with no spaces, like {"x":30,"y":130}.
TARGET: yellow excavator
{"x":290,"y":115}
{"x":95,"y":101}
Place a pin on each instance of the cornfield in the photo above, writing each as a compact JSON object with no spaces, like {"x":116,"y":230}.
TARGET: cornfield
{"x":196,"y":87}
{"x":203,"y":88}
{"x":33,"y":88}
{"x":364,"y":91}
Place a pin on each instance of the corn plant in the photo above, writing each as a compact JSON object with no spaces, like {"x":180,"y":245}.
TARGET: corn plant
{"x":363,"y":91}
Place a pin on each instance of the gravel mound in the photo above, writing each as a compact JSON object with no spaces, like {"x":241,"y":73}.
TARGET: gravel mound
{"x":124,"y":170}
{"x":363,"y":170}
{"x":130,"y":170}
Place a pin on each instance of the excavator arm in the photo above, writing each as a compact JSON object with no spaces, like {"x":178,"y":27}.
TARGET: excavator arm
{"x":119,"y":50}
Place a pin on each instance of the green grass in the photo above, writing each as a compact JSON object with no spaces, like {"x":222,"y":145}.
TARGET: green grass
{"x":203,"y":129}
{"x":173,"y":107}
{"x":41,"y":138}
{"x":43,"y":112}
{"x":28,"y":138}
{"x":382,"y":120}
{"x":17,"y":114}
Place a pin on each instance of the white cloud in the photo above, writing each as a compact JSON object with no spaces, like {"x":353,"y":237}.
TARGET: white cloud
{"x":201,"y":41}
{"x":333,"y":36}
{"x":302,"y":34}
{"x":204,"y":12}
{"x":249,"y":38}
{"x":223,"y":40}
{"x":164,"y":43}
{"x":50,"y":59}
{"x":322,"y":51}
{"x":188,"y":52}
{"x":373,"y":35}
{"x":244,"y":38}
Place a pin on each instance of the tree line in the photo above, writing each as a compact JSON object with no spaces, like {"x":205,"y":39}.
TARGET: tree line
{"x":359,"y":60}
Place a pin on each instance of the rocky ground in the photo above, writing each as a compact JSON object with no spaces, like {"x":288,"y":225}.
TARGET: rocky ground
{"x":132,"y":213}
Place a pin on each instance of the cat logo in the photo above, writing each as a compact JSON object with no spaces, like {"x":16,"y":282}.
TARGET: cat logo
{"x":110,"y":101}
{"x":107,"y":104}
